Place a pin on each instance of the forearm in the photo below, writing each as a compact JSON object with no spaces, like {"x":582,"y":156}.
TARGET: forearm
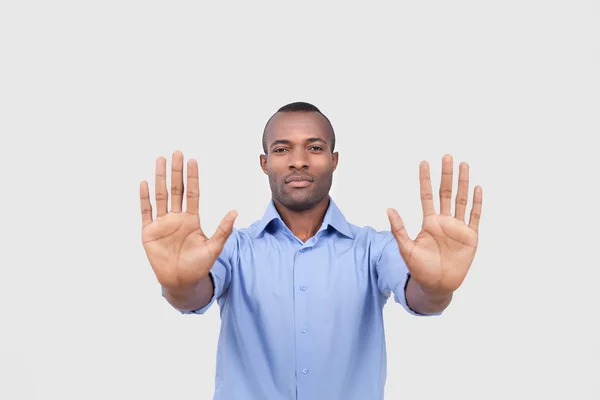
{"x":425,"y":301}
{"x":192,"y":297}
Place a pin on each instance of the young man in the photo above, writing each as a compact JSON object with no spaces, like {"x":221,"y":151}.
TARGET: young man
{"x":301,"y":291}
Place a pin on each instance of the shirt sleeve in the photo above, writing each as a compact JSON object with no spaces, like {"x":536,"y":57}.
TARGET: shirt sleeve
{"x":220,"y":272}
{"x":392,"y":272}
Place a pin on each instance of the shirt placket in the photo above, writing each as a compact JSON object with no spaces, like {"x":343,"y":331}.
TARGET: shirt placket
{"x":302,"y":291}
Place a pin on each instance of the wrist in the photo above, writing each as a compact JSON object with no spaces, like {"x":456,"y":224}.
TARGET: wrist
{"x":434,"y":294}
{"x":189,"y":292}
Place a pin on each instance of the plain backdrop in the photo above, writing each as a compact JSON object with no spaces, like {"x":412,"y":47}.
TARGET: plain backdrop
{"x":91,"y":93}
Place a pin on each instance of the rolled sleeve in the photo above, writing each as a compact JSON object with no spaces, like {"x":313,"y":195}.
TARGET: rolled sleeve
{"x":392,"y":272}
{"x":220,"y":273}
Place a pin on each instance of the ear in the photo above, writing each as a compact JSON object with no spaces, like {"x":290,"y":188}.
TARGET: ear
{"x":263,"y":163}
{"x":334,"y":157}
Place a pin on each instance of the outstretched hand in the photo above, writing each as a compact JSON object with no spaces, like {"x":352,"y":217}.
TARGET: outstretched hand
{"x":442,"y":253}
{"x":178,"y":250}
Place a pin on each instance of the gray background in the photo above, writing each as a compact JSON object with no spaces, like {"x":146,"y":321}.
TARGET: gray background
{"x":92,"y":92}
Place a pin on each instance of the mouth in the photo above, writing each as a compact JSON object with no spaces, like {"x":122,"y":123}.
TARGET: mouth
{"x":299,"y":181}
{"x":299,"y":184}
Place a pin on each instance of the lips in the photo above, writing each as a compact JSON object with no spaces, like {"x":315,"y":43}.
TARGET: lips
{"x":299,"y":181}
{"x":297,"y":178}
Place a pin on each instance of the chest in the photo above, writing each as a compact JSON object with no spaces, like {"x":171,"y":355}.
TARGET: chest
{"x":274,"y":272}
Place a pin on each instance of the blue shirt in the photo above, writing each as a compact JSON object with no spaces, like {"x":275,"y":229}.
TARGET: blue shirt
{"x":304,"y":320}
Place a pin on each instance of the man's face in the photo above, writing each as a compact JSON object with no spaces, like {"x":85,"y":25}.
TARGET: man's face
{"x":299,"y":160}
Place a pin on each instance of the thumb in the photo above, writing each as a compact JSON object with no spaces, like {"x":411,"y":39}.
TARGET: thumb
{"x":399,"y":230}
{"x":224,"y":229}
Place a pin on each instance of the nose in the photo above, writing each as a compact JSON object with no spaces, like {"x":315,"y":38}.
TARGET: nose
{"x":298,"y":160}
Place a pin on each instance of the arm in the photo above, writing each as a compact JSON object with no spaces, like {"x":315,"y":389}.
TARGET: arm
{"x":426,"y":302}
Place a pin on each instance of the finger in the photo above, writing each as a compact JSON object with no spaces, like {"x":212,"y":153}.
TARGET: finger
{"x":476,"y":210}
{"x":217,"y":241}
{"x":193,"y":187}
{"x":399,"y":230}
{"x":462,"y":195}
{"x":446,"y":185}
{"x":426,"y":193}
{"x":176,"y":181}
{"x":160,"y":189}
{"x":145,"y":203}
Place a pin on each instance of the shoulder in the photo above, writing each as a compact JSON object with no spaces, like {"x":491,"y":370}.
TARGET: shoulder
{"x":372,"y":239}
{"x":241,"y":237}
{"x":370,"y":234}
{"x":237,"y":237}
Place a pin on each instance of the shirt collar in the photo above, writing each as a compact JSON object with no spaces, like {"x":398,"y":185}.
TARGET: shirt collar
{"x":333,"y":217}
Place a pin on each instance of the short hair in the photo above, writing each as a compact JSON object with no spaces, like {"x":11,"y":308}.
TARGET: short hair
{"x":299,"y":106}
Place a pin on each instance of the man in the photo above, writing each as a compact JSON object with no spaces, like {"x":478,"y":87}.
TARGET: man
{"x":301,"y":291}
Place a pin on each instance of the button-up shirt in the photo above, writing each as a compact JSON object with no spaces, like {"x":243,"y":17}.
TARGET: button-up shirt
{"x":304,"y":320}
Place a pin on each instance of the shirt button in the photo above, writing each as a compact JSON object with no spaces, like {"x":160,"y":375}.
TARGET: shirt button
{"x":302,"y":250}
{"x":305,"y":371}
{"x":303,"y":288}
{"x":303,"y":330}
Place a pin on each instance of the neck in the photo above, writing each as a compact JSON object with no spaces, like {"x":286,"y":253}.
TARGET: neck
{"x":303,"y":224}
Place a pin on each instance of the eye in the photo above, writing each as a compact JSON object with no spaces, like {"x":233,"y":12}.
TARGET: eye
{"x":316,"y":148}
{"x":279,"y":150}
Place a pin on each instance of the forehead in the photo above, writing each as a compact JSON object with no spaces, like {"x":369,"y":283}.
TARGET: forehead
{"x":298,"y":126}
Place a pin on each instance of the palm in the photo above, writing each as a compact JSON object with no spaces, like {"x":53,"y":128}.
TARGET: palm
{"x":442,"y":253}
{"x":178,"y":250}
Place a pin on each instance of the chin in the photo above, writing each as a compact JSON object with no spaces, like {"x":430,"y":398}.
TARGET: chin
{"x":300,"y":201}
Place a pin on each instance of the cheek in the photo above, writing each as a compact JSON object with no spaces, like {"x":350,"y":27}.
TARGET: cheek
{"x":322,"y":166}
{"x":273,"y":167}
{"x":275,"y":174}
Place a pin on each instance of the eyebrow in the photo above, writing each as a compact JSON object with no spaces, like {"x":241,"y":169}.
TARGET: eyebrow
{"x":309,"y":140}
